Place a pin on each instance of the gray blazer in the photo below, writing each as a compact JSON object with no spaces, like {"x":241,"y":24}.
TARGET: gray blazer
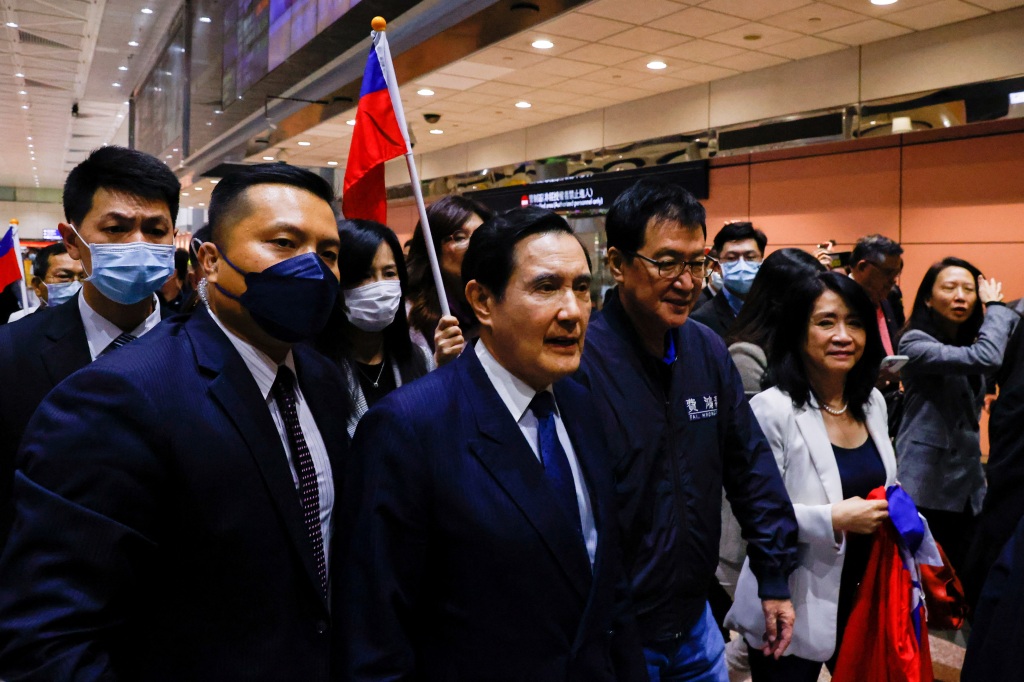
{"x":938,"y":447}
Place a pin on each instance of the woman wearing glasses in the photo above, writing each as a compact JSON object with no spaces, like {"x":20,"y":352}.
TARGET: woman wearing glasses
{"x":956,"y":335}
{"x":453,"y":220}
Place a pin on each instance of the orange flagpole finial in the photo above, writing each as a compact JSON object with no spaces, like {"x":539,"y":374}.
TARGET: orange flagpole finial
{"x":378,"y":24}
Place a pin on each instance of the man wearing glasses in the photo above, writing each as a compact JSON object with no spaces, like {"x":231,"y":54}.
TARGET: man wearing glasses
{"x":679,"y":428}
{"x":740,"y":248}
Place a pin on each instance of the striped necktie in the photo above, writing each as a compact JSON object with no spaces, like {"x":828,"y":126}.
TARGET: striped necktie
{"x":309,"y":493}
{"x":123,"y":340}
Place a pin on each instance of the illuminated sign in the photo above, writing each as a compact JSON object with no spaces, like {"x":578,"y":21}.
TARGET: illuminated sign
{"x":52,"y":234}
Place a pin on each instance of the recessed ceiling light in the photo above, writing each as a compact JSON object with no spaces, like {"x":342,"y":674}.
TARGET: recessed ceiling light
{"x":122,"y":68}
{"x":198,"y":189}
{"x":883,"y":2}
{"x":425,"y":92}
{"x":218,"y":112}
{"x":268,"y":158}
{"x":523,"y":105}
{"x":34,"y":168}
{"x":184,"y":194}
{"x":133,"y":43}
{"x":214,"y":182}
{"x":22,"y":92}
{"x":657,"y":65}
{"x":304,"y":143}
{"x":332,"y":163}
{"x":209,"y":123}
{"x":30,"y":146}
{"x":24,"y":106}
{"x":19,"y":75}
{"x":350,"y":122}
{"x":29,"y":138}
{"x":116,"y":85}
{"x":11,"y":24}
{"x":174,"y":149}
{"x":202,"y":204}
{"x":437,"y":131}
{"x":205,"y":20}
{"x":543,"y":44}
{"x":126,"y":102}
{"x":146,"y":10}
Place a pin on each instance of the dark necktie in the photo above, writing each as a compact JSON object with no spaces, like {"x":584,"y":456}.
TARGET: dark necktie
{"x":123,"y":340}
{"x":552,"y":456}
{"x":309,"y":494}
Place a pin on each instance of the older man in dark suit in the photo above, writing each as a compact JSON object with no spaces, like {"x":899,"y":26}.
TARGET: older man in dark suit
{"x":483,"y":529}
{"x":174,"y":501}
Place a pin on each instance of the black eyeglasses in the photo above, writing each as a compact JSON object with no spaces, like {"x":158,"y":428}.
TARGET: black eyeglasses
{"x":671,"y":269}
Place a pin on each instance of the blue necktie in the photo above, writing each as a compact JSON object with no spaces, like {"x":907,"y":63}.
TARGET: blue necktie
{"x":552,"y":456}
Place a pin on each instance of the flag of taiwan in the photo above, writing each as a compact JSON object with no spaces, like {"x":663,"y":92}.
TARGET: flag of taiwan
{"x":10,"y":262}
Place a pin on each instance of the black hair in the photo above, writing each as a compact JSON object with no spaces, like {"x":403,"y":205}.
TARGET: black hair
{"x":646,"y":201}
{"x":785,"y":361}
{"x":360,"y":240}
{"x":758,"y":319}
{"x":490,"y":257}
{"x":923,"y":318}
{"x":874,"y":248}
{"x":446,"y":216}
{"x":228,"y":193}
{"x":181,"y":264}
{"x":41,"y":266}
{"x":740,"y":231}
{"x":119,"y":169}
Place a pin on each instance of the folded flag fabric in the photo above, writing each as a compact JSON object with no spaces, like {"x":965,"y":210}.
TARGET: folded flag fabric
{"x":10,"y":261}
{"x":379,"y":136}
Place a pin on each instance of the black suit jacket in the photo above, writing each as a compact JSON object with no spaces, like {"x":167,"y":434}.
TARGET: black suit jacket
{"x":36,"y":353}
{"x":462,"y":566}
{"x":158,"y":534}
{"x":716,"y":315}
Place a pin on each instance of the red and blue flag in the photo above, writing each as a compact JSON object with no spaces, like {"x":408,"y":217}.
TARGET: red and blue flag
{"x":10,"y":261}
{"x":379,"y":136}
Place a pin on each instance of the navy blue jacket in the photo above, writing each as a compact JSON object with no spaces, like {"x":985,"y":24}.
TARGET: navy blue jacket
{"x":678,"y":432}
{"x":462,"y":565}
{"x":158,"y":534}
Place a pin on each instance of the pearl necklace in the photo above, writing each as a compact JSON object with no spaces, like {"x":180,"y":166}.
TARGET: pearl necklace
{"x":833,"y":411}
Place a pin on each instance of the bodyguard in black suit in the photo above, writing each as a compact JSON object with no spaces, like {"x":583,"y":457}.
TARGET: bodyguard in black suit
{"x":116,"y":196}
{"x":174,"y":501}
{"x":483,"y":541}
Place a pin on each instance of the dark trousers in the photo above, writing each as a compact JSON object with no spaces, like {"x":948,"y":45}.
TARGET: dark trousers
{"x":954,"y":531}
{"x":786,"y":669}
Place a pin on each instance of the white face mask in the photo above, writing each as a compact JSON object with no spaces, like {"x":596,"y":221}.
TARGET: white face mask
{"x":374,"y":306}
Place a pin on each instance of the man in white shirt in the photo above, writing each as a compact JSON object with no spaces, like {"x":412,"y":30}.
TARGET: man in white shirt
{"x":480,"y":512}
{"x":192,"y":474}
{"x":117,"y":200}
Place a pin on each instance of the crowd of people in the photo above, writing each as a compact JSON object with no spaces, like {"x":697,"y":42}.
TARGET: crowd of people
{"x":278,"y":456}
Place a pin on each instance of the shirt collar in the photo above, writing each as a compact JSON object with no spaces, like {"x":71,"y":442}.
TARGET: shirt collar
{"x":513,"y":391}
{"x":734,"y":301}
{"x":619,"y":321}
{"x":261,"y":365}
{"x":101,"y":332}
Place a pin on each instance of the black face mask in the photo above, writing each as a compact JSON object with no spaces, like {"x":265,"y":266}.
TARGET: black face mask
{"x":290,"y":300}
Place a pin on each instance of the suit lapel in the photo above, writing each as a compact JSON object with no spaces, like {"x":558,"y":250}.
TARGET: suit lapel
{"x":812,"y":428}
{"x":507,"y":456}
{"x":67,"y":349}
{"x":234,"y":389}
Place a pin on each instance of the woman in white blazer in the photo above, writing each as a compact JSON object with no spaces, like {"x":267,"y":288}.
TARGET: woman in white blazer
{"x":827,"y":426}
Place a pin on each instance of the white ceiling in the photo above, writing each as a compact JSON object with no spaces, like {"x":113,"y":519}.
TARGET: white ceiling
{"x":600,"y":56}
{"x":62,"y":52}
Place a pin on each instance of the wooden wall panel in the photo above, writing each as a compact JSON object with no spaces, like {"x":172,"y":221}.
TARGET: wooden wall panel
{"x":728,"y":197}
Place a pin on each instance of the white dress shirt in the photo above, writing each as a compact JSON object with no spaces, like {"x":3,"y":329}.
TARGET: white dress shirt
{"x":264,"y":371}
{"x":100,"y":332}
{"x":517,"y":395}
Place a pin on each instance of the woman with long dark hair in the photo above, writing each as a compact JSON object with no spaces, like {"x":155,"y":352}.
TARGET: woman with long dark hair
{"x":453,"y":219}
{"x":368,"y":334}
{"x":956,"y":335}
{"x":827,"y":426}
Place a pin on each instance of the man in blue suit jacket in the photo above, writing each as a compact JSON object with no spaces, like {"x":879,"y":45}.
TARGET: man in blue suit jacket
{"x":167,"y":503}
{"x":483,"y":531}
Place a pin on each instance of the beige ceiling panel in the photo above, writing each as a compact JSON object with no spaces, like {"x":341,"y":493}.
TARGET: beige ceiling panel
{"x":523,"y":42}
{"x":645,"y":38}
{"x":769,"y":35}
{"x":752,"y":10}
{"x":516,"y":59}
{"x":574,"y":134}
{"x":801,"y":48}
{"x":591,"y":102}
{"x":751,"y":61}
{"x":674,"y":65}
{"x":442,"y":80}
{"x":705,"y":73}
{"x":469,"y":69}
{"x":581,"y":87}
{"x":663,"y":84}
{"x":576,"y":25}
{"x":998,"y":5}
{"x":473,"y":98}
{"x":606,"y":55}
{"x":499,"y":150}
{"x":671,"y":113}
{"x":698,"y":22}
{"x":620,"y":77}
{"x":500,"y":89}
{"x":865,"y":7}
{"x":557,"y":95}
{"x":702,"y":51}
{"x":531,"y":78}
{"x":814,"y":18}
{"x":816,"y":83}
{"x":935,"y":14}
{"x":624,"y":94}
{"x":566,"y":67}
{"x":633,"y":11}
{"x":864,"y":32}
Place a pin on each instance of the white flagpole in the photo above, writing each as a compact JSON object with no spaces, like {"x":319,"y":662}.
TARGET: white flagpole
{"x":21,"y":266}
{"x":384,"y":56}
